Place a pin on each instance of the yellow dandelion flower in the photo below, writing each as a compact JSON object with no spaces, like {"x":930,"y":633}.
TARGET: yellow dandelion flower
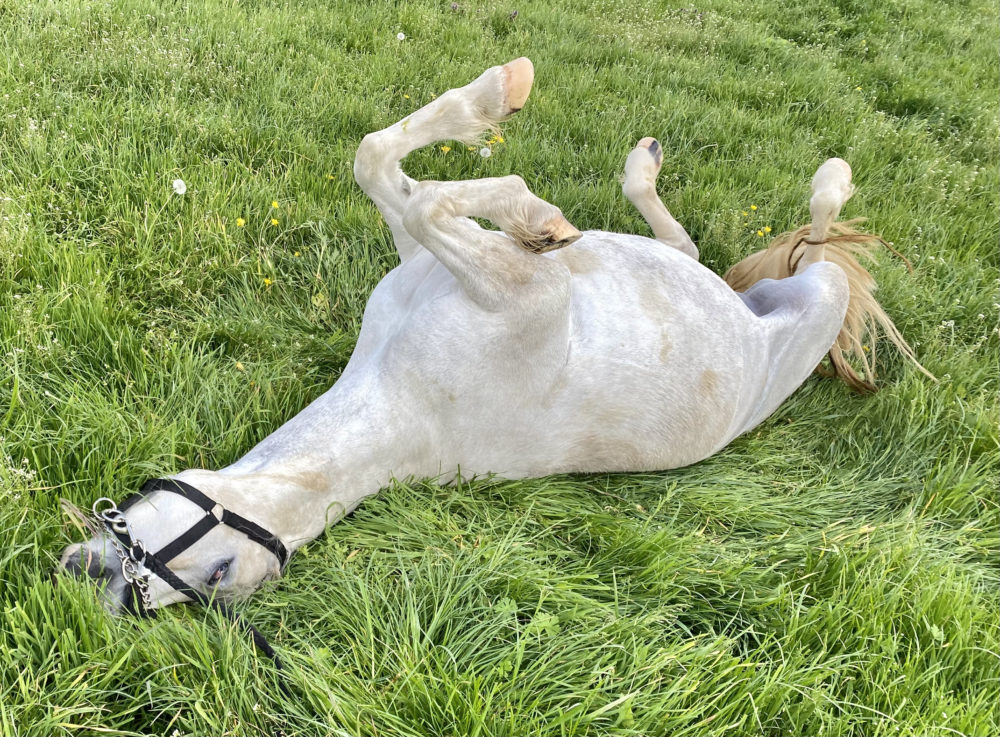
{"x":767,"y":228}
{"x":470,"y":148}
{"x":240,"y":367}
{"x":296,"y":254}
{"x":745,"y":213}
{"x":274,"y":204}
{"x":329,"y":177}
{"x":406,"y":97}
{"x":857,"y":89}
{"x":446,"y":149}
{"x":240,"y":222}
{"x":274,"y":221}
{"x":753,"y":207}
{"x":760,"y":233}
{"x":267,"y":282}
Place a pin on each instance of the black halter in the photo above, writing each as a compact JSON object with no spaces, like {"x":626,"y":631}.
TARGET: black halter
{"x":134,"y":553}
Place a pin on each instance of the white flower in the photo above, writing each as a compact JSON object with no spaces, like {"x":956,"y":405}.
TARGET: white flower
{"x":485,"y":152}
{"x":179,"y":186}
{"x":401,"y":36}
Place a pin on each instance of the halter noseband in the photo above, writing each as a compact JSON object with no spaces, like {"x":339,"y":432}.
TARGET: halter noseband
{"x":134,"y":556}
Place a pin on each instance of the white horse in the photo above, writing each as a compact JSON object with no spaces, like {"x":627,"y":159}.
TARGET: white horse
{"x":506,"y":353}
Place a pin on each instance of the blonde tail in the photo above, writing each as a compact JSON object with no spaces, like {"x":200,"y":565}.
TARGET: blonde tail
{"x":844,"y":246}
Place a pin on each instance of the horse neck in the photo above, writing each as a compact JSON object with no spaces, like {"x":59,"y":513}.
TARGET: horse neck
{"x":319,"y":465}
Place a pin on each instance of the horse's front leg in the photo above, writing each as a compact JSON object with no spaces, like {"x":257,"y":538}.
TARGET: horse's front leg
{"x":496,"y":271}
{"x":462,"y":114}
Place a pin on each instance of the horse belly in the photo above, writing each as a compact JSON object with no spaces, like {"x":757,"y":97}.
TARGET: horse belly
{"x":646,"y":373}
{"x":658,"y":374}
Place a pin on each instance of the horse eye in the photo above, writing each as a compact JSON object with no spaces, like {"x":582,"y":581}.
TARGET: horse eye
{"x":219,"y":573}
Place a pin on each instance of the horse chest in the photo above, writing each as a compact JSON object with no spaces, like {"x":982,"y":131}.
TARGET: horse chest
{"x":422,"y":334}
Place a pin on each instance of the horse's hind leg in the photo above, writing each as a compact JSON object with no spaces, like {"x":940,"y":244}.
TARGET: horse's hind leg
{"x":801,"y":295}
{"x":803,"y":315}
{"x":834,"y":247}
{"x":831,"y":188}
{"x":460,"y":114}
{"x":639,"y":186}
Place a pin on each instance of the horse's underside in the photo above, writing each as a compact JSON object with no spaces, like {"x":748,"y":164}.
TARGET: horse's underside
{"x":612,"y":352}
{"x":534,"y":349}
{"x":645,"y":360}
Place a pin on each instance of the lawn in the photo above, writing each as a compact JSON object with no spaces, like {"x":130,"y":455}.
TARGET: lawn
{"x":836,"y":571}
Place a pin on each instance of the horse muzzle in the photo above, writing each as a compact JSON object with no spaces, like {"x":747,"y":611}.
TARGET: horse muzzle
{"x":96,"y":561}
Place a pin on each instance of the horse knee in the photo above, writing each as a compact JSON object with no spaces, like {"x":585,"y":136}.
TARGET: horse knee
{"x":424,"y":206}
{"x":517,"y":185}
{"x":368,"y":163}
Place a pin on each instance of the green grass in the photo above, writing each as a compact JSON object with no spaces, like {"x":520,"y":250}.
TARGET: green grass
{"x":834,"y":572}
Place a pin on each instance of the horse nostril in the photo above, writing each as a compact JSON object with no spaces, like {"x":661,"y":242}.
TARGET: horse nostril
{"x":96,"y":569}
{"x":72,"y":565}
{"x":84,"y":561}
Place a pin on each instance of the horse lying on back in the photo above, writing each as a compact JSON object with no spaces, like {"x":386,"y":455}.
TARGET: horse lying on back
{"x":527,"y":351}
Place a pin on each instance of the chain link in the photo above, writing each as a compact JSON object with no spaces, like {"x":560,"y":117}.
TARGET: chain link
{"x":114,"y":518}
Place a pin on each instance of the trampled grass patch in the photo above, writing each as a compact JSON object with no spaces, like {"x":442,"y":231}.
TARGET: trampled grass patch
{"x":832,"y":572}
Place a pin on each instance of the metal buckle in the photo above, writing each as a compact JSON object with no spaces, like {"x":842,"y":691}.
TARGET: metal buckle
{"x":112,"y":517}
{"x":217,"y":511}
{"x":111,"y":508}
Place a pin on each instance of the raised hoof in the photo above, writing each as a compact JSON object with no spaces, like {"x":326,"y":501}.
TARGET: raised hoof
{"x":642,"y":167}
{"x":518,"y":76}
{"x":500,"y":91}
{"x":653,"y":147}
{"x":831,"y":188}
{"x":555,"y":234}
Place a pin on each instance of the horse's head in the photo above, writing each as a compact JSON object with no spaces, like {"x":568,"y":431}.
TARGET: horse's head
{"x":177,"y":544}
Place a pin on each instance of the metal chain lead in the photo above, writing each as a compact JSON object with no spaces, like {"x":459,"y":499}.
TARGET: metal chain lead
{"x":113,"y":517}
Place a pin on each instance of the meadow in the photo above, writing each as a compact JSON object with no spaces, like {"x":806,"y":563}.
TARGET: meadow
{"x":834,"y":572}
